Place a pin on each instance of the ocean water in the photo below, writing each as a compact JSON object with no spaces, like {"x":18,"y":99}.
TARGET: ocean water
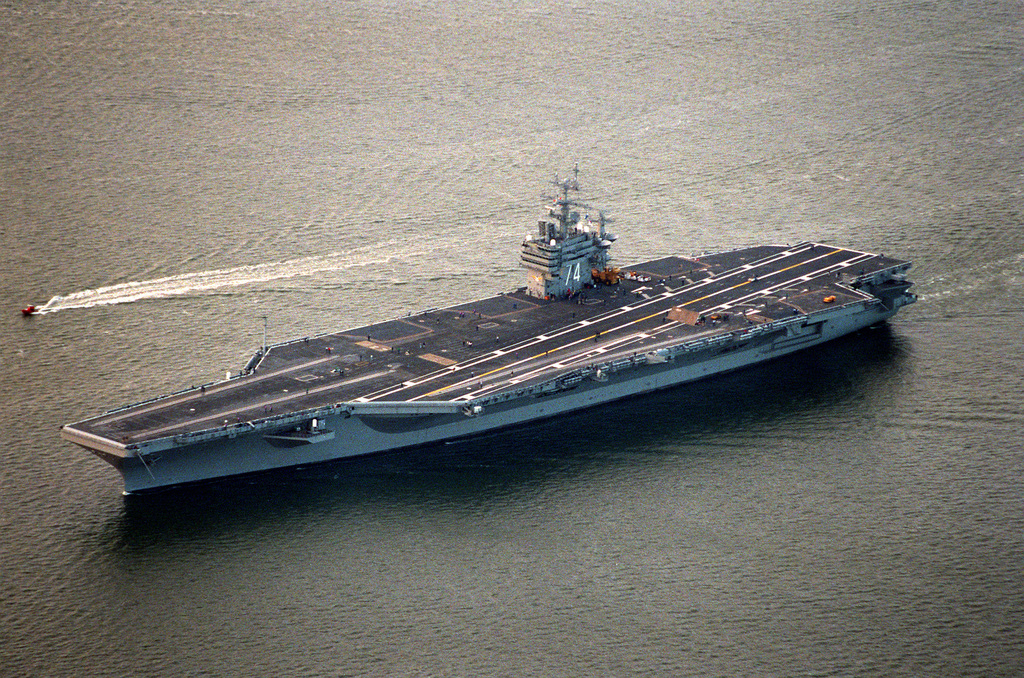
{"x":170,"y":172}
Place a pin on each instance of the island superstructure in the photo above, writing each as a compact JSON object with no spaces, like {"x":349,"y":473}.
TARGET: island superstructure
{"x":579,"y":334}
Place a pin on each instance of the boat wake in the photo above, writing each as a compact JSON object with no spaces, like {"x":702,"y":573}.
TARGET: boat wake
{"x":993,"y":277}
{"x":201,"y":281}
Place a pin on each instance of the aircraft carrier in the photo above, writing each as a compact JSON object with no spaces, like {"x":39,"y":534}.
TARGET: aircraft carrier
{"x":579,"y":334}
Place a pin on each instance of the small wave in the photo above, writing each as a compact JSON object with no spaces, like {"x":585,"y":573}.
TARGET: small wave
{"x":186,"y":283}
{"x":1007,"y":271}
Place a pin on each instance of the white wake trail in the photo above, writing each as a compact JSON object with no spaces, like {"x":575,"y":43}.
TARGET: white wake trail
{"x":200,"y":281}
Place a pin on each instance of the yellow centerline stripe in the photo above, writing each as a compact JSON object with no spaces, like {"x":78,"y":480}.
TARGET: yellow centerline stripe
{"x":631,"y":322}
{"x":480,"y":360}
{"x":578,"y":341}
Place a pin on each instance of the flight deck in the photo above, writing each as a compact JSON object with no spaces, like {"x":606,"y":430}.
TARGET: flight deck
{"x":512,"y":340}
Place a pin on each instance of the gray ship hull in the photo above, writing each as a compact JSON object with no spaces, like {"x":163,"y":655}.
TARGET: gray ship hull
{"x":369,"y":433}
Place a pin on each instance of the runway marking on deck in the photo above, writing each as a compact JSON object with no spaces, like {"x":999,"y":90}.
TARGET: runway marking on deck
{"x":380,"y":348}
{"x":623,"y":309}
{"x":632,"y":322}
{"x":440,"y":360}
{"x":197,"y":394}
{"x":618,"y":311}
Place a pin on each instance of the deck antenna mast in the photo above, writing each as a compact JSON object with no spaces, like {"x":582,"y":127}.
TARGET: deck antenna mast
{"x":564,"y":217}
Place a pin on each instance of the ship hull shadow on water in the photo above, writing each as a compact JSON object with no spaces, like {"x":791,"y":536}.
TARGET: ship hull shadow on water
{"x":678,"y":422}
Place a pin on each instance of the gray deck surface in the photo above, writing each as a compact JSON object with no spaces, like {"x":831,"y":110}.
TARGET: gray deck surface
{"x":508,"y":341}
